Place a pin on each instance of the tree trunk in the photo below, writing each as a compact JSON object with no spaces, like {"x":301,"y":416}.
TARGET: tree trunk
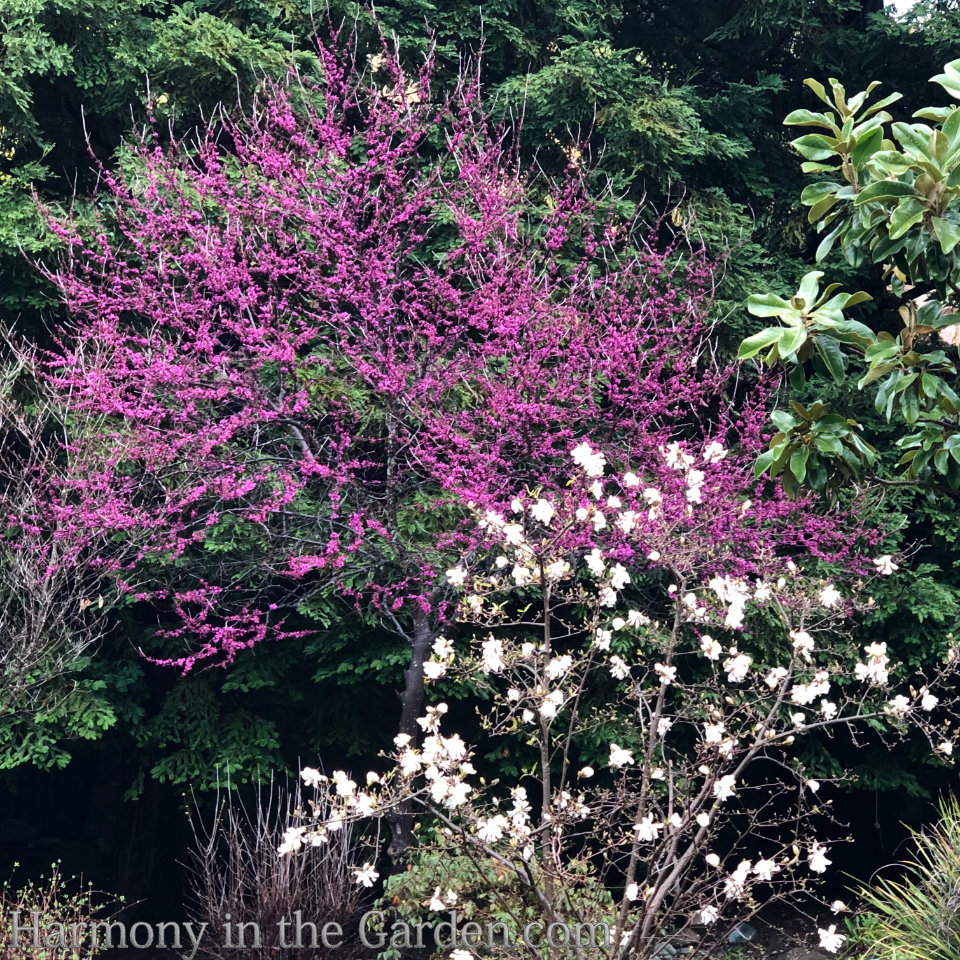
{"x":412,"y":699}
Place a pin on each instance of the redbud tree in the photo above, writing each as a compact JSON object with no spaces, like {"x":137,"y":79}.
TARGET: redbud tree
{"x":309,"y":342}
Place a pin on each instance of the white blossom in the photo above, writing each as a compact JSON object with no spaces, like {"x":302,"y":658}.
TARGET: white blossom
{"x":713,"y":732}
{"x":558,"y":570}
{"x":311,"y":777}
{"x":666,"y":674}
{"x":830,"y":940}
{"x":619,"y":577}
{"x":885,"y":565}
{"x":607,"y":597}
{"x":637,"y":619}
{"x":737,"y":666}
{"x":675,"y":458}
{"x":709,"y":914}
{"x":648,"y":829}
{"x":558,"y":666}
{"x":442,"y":648}
{"x":618,"y":668}
{"x":434,"y":669}
{"x":714,"y":451}
{"x":765,"y":869}
{"x":898,"y":706}
{"x":591,"y":462}
{"x":513,"y":534}
{"x":602,"y":638}
{"x":292,"y":840}
{"x":492,"y":659}
{"x":595,"y":562}
{"x":456,"y":576}
{"x":817,"y":859}
{"x":710,"y":648}
{"x":365,"y":875}
{"x":875,"y":669}
{"x":542,"y":511}
{"x":829,"y":596}
{"x":619,"y":757}
{"x":802,"y":643}
{"x":492,"y":829}
{"x":775,"y":677}
{"x":551,"y":704}
{"x":725,"y":787}
{"x":735,"y":885}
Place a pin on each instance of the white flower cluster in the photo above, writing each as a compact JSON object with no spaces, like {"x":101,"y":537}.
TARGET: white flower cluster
{"x":874,"y":671}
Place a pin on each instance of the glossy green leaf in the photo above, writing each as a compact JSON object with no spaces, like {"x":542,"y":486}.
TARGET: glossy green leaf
{"x":885,"y":190}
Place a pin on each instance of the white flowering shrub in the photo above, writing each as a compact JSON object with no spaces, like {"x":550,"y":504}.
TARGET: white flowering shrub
{"x":619,"y":610}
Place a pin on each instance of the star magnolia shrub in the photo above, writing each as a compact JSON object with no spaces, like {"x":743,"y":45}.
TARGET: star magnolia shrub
{"x":631,"y":606}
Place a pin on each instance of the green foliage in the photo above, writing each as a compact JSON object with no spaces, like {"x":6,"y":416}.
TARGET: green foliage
{"x":57,"y":899}
{"x":486,"y":893}
{"x":917,"y":917}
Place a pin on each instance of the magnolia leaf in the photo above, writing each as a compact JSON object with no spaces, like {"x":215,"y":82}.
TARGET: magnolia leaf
{"x":798,"y":118}
{"x":866,"y":146}
{"x":885,"y":190}
{"x":880,"y":104}
{"x":906,"y":214}
{"x":815,"y":146}
{"x":826,"y":244}
{"x":809,"y":286}
{"x":949,"y":79}
{"x":791,"y":341}
{"x":751,"y":346}
{"x":768,"y":305}
{"x":947,"y":232}
{"x":813,"y":193}
{"x":832,"y":357}
{"x":819,"y":89}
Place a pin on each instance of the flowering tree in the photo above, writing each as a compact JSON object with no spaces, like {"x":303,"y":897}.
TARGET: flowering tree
{"x":297,"y":345}
{"x":640,"y":627}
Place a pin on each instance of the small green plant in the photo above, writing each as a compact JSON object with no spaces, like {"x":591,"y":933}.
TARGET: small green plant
{"x":917,"y":917}
{"x":862,"y":931}
{"x":58,"y":899}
